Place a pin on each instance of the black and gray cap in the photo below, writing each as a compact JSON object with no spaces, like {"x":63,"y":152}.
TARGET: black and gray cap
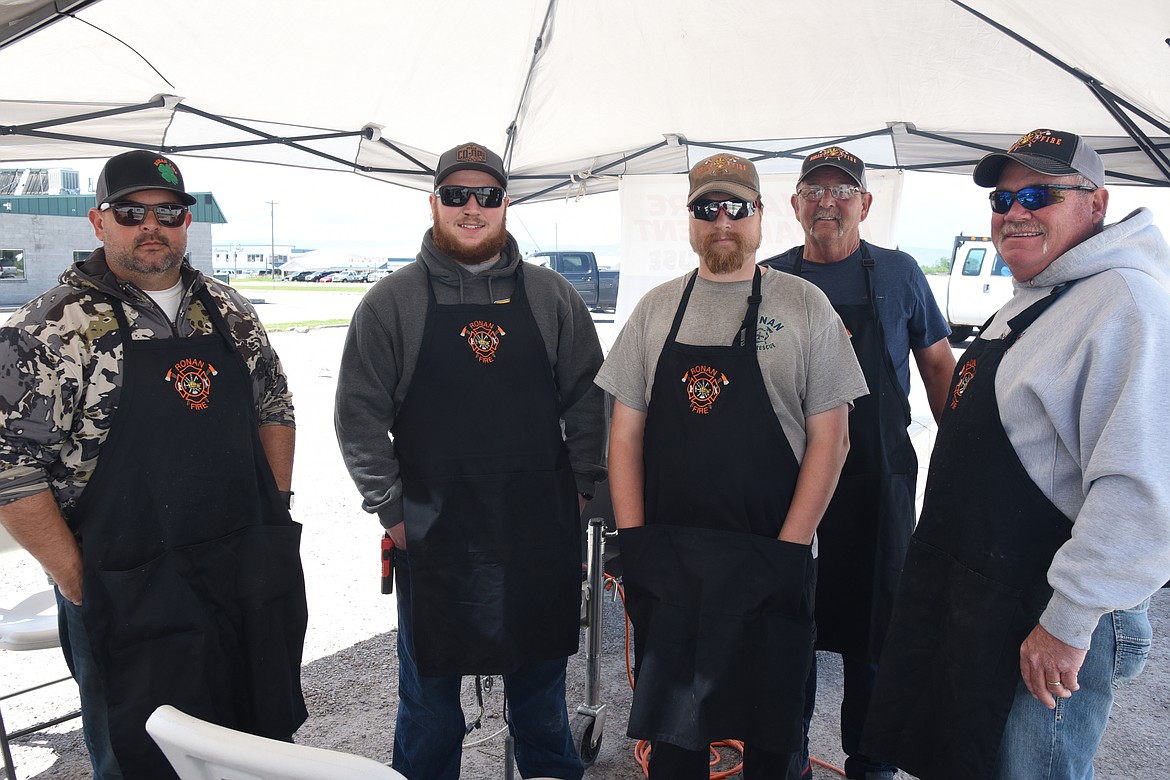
{"x":139,"y":170}
{"x":1050,"y":152}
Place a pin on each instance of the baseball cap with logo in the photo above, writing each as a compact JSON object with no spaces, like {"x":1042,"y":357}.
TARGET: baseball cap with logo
{"x":727,"y":173}
{"x":835,"y":157}
{"x":139,"y":170}
{"x":471,"y":157}
{"x":1050,"y":152}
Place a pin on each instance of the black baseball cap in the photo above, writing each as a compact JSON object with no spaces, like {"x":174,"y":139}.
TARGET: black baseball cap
{"x":1050,"y":152}
{"x":471,"y":157}
{"x":139,"y":170}
{"x":835,"y":157}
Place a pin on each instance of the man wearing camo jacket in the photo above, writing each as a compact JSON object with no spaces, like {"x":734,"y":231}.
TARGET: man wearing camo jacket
{"x":145,"y":461}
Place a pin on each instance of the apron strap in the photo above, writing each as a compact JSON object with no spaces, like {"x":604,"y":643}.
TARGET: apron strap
{"x":747,"y":329}
{"x":1019,"y":323}
{"x":682,"y":308}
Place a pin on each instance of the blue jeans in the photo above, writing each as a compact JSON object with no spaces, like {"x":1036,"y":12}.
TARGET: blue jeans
{"x":1044,"y":744}
{"x":91,"y":686}
{"x":859,"y":677}
{"x":428,"y":735}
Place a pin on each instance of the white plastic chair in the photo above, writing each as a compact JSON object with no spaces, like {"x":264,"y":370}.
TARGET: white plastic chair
{"x":199,"y":750}
{"x":30,"y":625}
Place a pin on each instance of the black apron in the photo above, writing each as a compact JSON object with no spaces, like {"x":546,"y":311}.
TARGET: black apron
{"x":193,"y":593}
{"x":722,"y":610}
{"x":489,"y":496}
{"x":867,"y":526}
{"x":974,"y":586}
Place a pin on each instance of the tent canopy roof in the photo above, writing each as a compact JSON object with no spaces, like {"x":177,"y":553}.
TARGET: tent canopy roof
{"x":574,"y":93}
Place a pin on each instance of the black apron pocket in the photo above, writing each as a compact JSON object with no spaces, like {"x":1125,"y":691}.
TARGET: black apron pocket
{"x":938,"y":689}
{"x":495,"y":570}
{"x":251,"y":585}
{"x":723,"y":635}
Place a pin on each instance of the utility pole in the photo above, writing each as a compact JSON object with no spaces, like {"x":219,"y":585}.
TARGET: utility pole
{"x":272,"y":239}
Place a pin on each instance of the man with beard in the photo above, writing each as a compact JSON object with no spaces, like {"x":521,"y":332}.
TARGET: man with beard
{"x":1045,"y":526}
{"x":717,"y":377}
{"x":146,"y":458}
{"x":468,"y":419}
{"x":890,"y":312}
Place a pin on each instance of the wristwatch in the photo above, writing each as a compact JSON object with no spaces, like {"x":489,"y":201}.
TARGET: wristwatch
{"x":287,"y":495}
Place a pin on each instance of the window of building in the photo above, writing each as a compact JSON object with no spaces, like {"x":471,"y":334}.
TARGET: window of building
{"x":81,"y":254}
{"x":11,"y":264}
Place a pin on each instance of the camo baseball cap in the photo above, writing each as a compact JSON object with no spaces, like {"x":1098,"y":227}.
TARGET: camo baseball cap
{"x":136,"y":171}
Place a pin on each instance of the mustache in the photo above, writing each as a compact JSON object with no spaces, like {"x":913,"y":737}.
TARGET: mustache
{"x":1018,"y":228}
{"x":156,"y":238}
{"x":827,"y":214}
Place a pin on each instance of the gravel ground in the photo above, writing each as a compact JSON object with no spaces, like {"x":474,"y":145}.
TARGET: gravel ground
{"x":350,"y":665}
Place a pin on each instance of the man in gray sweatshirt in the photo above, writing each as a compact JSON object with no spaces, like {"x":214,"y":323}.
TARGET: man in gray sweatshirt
{"x":1046,"y":522}
{"x":468,"y":418}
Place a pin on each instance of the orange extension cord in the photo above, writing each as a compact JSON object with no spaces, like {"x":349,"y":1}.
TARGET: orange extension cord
{"x":642,"y":749}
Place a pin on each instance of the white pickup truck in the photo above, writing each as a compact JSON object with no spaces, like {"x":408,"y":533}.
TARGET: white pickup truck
{"x":979,"y":284}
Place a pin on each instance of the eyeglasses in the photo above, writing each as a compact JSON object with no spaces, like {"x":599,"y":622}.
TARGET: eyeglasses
{"x":129,"y":213}
{"x":708,"y":210}
{"x":838,"y":191}
{"x":486,"y":197}
{"x":1031,"y":198}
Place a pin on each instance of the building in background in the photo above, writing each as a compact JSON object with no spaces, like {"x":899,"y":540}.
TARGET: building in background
{"x":41,"y":235}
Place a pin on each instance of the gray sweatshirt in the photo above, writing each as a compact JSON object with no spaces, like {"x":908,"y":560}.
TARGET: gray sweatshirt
{"x":1080,"y":397}
{"x":381,"y":352}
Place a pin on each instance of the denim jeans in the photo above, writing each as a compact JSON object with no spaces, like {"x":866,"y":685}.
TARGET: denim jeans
{"x":859,"y":677}
{"x":1044,"y":744}
{"x":91,"y":686}
{"x":429,"y":731}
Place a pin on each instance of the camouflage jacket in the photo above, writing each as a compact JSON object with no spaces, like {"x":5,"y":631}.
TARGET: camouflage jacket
{"x":60,"y":372}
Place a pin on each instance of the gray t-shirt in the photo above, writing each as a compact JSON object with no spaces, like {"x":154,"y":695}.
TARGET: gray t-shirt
{"x":805,"y":357}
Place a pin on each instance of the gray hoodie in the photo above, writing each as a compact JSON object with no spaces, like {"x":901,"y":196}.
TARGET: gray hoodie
{"x":381,"y":351}
{"x":1080,"y":397}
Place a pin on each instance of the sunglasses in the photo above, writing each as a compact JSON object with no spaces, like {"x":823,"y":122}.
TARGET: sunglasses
{"x":838,"y":191}
{"x":1031,"y":198}
{"x":486,"y":197}
{"x":129,"y":213}
{"x":708,"y":210}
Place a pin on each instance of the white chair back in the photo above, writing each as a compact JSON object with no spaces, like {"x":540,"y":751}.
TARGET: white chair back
{"x":199,"y":750}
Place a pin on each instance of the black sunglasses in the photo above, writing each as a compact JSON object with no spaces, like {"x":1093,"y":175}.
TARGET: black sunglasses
{"x":708,"y":210}
{"x":129,"y":213}
{"x":1031,"y":198}
{"x":486,"y":197}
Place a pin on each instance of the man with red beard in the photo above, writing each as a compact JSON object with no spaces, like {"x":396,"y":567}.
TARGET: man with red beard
{"x":717,"y":377}
{"x":890,"y":312}
{"x":468,"y":419}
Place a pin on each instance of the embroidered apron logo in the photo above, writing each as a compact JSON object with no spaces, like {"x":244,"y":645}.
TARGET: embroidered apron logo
{"x":966,"y":374}
{"x":484,"y":338}
{"x":192,"y":380}
{"x":703,"y":387}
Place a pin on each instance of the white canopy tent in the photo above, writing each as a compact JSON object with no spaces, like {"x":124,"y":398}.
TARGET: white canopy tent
{"x":581,"y":94}
{"x":579,"y":91}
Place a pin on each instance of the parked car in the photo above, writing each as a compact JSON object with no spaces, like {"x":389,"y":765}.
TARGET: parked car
{"x":599,"y":288}
{"x":378,"y":275}
{"x":301,"y":276}
{"x":315,"y":276}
